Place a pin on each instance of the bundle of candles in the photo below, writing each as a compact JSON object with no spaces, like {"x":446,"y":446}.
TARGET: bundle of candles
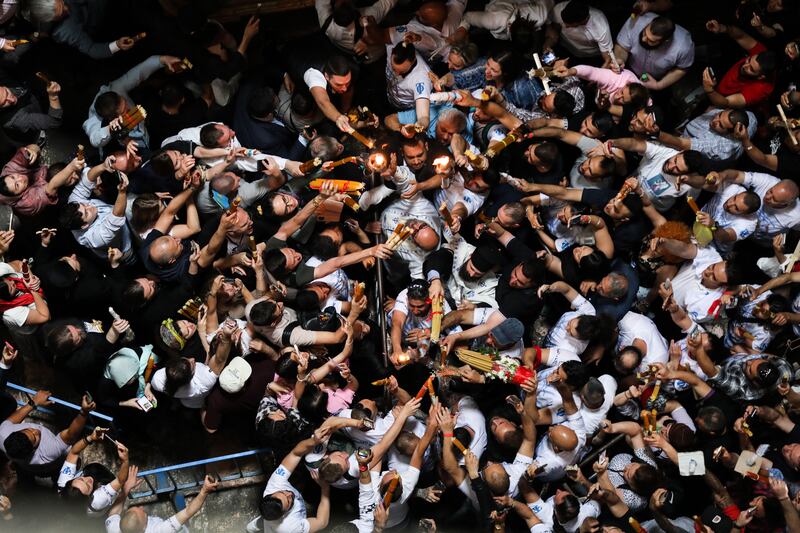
{"x":649,"y":421}
{"x":191,"y":309}
{"x":478,"y":360}
{"x":184,"y":65}
{"x":437,"y":309}
{"x":446,"y":215}
{"x":381,"y":382}
{"x":251,"y":241}
{"x":427,"y":387}
{"x":787,"y":124}
{"x":746,"y":425}
{"x":310,"y":165}
{"x":461,"y":447}
{"x":541,"y":73}
{"x":352,"y":159}
{"x":130,"y":119}
{"x":80,"y":155}
{"x":477,"y":160}
{"x":636,"y":526}
{"x":369,"y":143}
{"x":387,"y":498}
{"x":623,"y":192}
{"x":139,"y":36}
{"x":26,"y":271}
{"x":358,"y":290}
{"x":497,"y":147}
{"x":42,"y":76}
{"x":656,"y":390}
{"x":346,"y":186}
{"x":17,"y":42}
{"x":234,"y":205}
{"x":361,"y":114}
{"x":399,"y":235}
{"x":648,"y":375}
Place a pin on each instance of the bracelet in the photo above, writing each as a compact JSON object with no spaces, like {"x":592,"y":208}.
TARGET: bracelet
{"x":88,"y":442}
{"x":447,"y":435}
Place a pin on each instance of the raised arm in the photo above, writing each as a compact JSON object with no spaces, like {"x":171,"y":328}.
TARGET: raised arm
{"x":629,"y":145}
{"x":380,"y":449}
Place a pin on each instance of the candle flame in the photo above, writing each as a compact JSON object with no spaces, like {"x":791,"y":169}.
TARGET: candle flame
{"x":377,"y":161}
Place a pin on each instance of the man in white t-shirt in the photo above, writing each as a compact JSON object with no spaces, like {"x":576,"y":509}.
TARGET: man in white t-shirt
{"x":659,"y":170}
{"x":282,"y":507}
{"x":404,"y":488}
{"x":434,"y":22}
{"x":731,"y":214}
{"x":563,"y":443}
{"x":408,"y":84}
{"x":641,"y":333}
{"x":136,"y":519}
{"x":335,"y":78}
{"x":574,"y":329}
{"x":700,"y":283}
{"x":583,"y":30}
{"x":554,"y":509}
{"x":780,"y":207}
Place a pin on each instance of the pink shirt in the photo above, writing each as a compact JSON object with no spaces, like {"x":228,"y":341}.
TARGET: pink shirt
{"x":339,"y":399}
{"x":606,"y":79}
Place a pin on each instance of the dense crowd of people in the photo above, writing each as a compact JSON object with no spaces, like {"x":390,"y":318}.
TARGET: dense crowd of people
{"x":476,"y":266}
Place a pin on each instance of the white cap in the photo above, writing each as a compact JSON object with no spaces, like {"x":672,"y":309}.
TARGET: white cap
{"x":233,"y":377}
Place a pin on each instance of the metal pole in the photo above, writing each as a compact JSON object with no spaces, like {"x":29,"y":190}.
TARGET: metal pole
{"x":379,"y":275}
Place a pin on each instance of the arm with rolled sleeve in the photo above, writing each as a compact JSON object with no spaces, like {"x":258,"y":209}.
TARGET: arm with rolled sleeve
{"x":83,"y":190}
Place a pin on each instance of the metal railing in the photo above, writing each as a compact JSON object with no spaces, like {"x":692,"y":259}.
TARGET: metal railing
{"x":187,"y":476}
{"x":30,"y":393}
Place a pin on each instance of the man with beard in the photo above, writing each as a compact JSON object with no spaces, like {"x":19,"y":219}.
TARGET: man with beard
{"x":750,"y":81}
{"x":657,"y":50}
{"x":660,"y":168}
{"x":712,"y":134}
{"x":418,"y":155}
{"x":467,"y":272}
{"x":411,"y":318}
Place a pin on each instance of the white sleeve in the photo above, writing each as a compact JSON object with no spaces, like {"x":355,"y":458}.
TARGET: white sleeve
{"x":69,"y":471}
{"x":112,"y":524}
{"x":102,"y":500}
{"x":315,"y":78}
{"x":582,"y":306}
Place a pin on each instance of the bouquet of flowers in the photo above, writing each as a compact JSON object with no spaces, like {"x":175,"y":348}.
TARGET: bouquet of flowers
{"x":495,"y":366}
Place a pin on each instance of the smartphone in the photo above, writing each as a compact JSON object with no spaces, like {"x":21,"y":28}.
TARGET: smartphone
{"x":549,"y":58}
{"x":88,"y":396}
{"x":514,"y":401}
{"x":751,"y":510}
{"x":712,"y":73}
{"x":603,"y":457}
{"x":109,"y":439}
{"x":369,"y":424}
{"x":145,"y":404}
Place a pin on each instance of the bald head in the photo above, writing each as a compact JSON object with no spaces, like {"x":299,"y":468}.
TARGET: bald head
{"x":164,"y":250}
{"x":563,"y":438}
{"x":134,"y":520}
{"x":782,"y":195}
{"x":427,"y":239}
{"x":432,"y":14}
{"x":497,"y":479}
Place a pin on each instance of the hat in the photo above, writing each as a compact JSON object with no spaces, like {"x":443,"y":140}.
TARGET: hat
{"x":673,"y":499}
{"x":233,"y":377}
{"x":508,"y":331}
{"x":60,"y":275}
{"x":767,"y":374}
{"x":716,"y":520}
{"x":122,"y":366}
{"x":171,"y":335}
{"x":485,"y":258}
